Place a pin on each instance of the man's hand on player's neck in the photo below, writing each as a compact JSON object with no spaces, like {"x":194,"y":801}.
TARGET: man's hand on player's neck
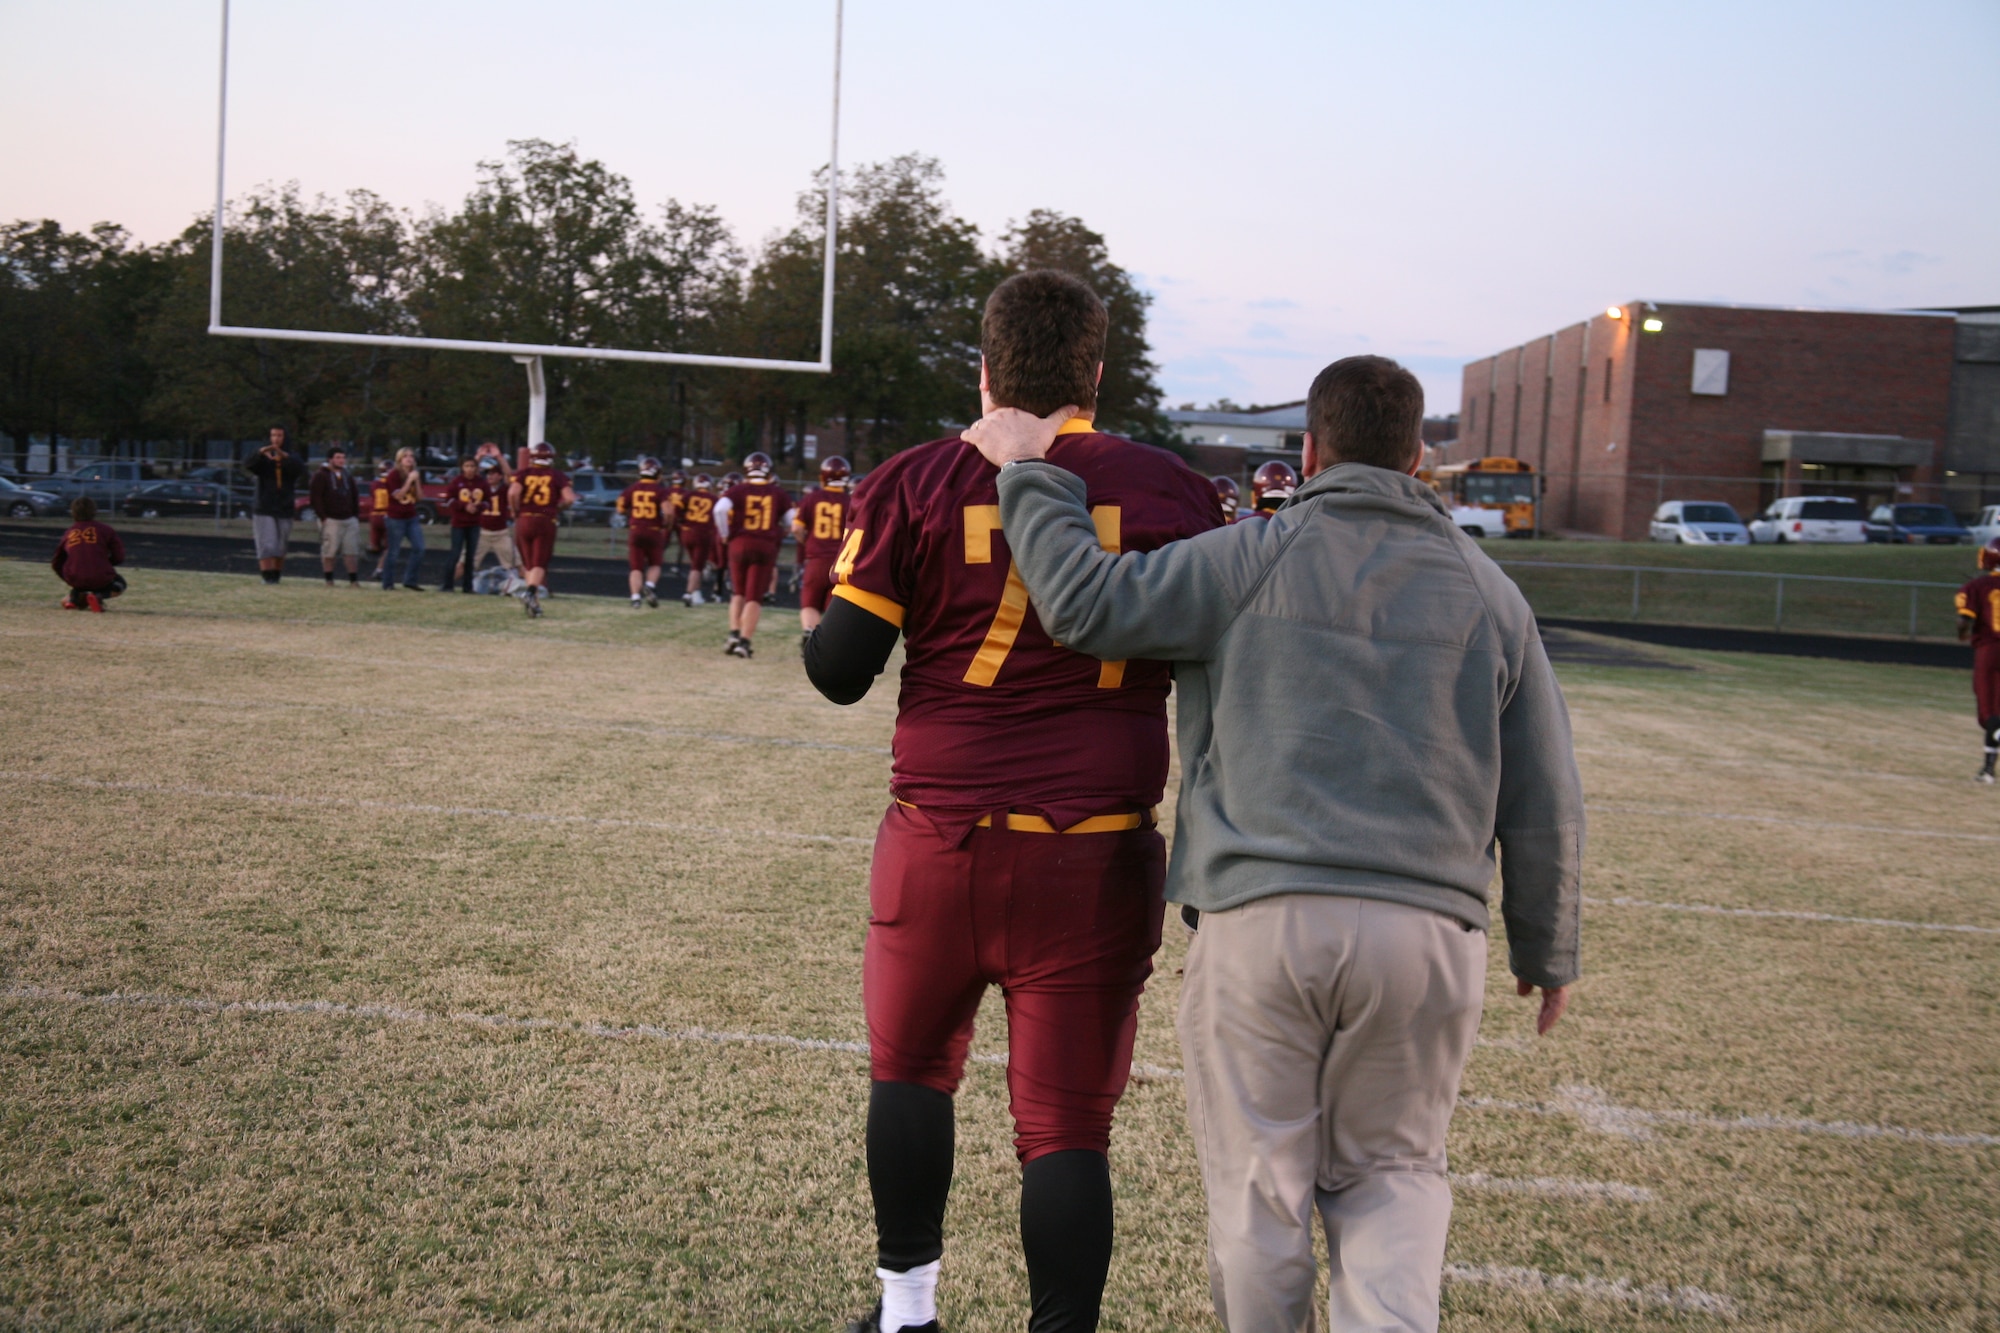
{"x":1009,"y":434}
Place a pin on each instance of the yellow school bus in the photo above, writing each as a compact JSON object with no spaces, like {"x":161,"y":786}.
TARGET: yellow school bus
{"x":1503,"y":486}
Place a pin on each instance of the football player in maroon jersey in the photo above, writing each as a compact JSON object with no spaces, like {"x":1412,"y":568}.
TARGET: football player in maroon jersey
{"x":1979,"y":625}
{"x":750,"y":520}
{"x":1228,"y":495}
{"x":496,"y":517}
{"x":648,"y":508}
{"x":697,"y":532}
{"x":820,"y":519}
{"x":536,"y":495}
{"x":87,"y":558}
{"x":464,"y":499}
{"x":1019,"y":850}
{"x":1270,"y":486}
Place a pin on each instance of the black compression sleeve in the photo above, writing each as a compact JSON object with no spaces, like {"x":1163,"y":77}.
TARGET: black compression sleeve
{"x":848,"y":650}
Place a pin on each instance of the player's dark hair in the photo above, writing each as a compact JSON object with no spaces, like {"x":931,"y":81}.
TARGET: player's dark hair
{"x":1043,"y":339}
{"x":1366,"y":409}
{"x":83,"y":509}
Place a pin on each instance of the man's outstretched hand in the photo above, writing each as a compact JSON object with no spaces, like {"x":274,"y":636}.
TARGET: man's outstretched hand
{"x":1008,"y":434}
{"x":1555,"y":999}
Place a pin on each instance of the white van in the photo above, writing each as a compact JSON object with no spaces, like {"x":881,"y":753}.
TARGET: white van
{"x":1811,"y":518}
{"x":1699,"y":523}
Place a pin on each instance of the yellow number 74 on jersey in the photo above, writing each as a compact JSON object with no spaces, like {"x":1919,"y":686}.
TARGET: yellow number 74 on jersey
{"x":981,"y":522}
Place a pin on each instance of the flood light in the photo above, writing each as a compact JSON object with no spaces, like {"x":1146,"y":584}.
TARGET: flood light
{"x":1616,"y":311}
{"x":1653,"y":325}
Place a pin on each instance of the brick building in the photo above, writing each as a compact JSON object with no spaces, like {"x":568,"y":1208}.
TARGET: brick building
{"x":1655,"y":401}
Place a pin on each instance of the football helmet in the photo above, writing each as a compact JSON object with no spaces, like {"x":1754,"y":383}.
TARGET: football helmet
{"x":677,"y":478}
{"x":732,"y":479}
{"x":703,"y":482}
{"x":1989,"y":555}
{"x":649,"y":468}
{"x":1225,"y":491}
{"x":1272,"y":485}
{"x":834,"y":472}
{"x":758,"y":466}
{"x":543,"y":454}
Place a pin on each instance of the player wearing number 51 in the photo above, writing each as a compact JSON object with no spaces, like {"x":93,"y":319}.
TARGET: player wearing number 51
{"x":750,"y":522}
{"x":1019,"y":850}
{"x":537,"y":494}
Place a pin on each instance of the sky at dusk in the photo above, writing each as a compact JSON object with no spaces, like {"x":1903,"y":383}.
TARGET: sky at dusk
{"x":1293,"y":182}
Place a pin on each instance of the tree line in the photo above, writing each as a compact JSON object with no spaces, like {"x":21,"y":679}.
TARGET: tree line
{"x":102,"y":337}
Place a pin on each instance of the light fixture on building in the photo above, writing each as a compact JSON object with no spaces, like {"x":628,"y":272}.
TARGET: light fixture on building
{"x":1615,"y":312}
{"x":1653,"y":325}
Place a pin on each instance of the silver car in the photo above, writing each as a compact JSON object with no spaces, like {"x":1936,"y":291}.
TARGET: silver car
{"x":1699,"y":523}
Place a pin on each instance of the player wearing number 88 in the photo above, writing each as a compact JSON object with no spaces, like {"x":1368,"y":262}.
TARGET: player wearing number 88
{"x":1003,"y":739}
{"x":750,"y":520}
{"x":537,"y":494}
{"x":648,"y":507}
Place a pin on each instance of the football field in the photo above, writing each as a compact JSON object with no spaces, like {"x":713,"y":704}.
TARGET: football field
{"x":393,"y":961}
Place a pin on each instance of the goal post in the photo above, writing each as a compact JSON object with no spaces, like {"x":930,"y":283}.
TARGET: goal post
{"x":525,"y":352}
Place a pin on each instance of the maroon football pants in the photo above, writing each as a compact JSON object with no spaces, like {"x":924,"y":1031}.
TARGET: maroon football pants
{"x":1066,"y":924}
{"x":1986,"y":680}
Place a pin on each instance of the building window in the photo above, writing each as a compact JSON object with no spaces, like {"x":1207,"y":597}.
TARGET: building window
{"x":1607,"y":379}
{"x":1711,"y":372}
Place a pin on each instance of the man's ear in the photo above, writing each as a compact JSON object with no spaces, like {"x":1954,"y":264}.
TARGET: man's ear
{"x":1100,"y":373}
{"x":1308,"y":458}
{"x":985,"y":389}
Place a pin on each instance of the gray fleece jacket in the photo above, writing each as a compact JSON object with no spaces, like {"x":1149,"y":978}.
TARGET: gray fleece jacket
{"x":1365,"y":705}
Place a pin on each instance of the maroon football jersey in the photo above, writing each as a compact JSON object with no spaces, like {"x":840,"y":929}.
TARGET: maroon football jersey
{"x":464,"y":498}
{"x":698,"y":510}
{"x":645,"y":505}
{"x":824,"y":514}
{"x":541,"y":490}
{"x":493,"y":513}
{"x":85,"y":555}
{"x":1979,"y":601}
{"x":393,"y":485}
{"x":757,"y":511}
{"x":993,"y":715}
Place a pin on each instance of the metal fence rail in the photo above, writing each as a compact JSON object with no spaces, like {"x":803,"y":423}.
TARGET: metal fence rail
{"x":1858,"y":615}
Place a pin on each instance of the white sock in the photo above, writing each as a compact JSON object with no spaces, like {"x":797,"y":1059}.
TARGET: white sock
{"x":908,"y":1299}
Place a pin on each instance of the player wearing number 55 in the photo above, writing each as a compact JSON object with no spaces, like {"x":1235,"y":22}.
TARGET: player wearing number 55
{"x":1020,"y":848}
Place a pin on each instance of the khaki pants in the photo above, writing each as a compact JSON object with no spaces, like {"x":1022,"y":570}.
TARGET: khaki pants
{"x":1324,"y":1039}
{"x":499,"y":545}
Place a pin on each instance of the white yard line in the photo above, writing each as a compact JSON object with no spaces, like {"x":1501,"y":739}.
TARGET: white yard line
{"x":1554,"y":1187}
{"x":1778,"y":914}
{"x":1592,"y":1107}
{"x":1677,"y":812}
{"x":398,"y":807}
{"x":1654,"y":1295}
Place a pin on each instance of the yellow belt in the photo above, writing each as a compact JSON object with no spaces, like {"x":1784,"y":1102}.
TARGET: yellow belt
{"x":1025,"y":823}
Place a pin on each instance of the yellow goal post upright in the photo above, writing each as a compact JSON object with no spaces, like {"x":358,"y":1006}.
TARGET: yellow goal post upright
{"x":528,"y":354}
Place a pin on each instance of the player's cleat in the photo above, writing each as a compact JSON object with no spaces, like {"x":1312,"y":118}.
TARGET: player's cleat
{"x":1985,"y":776}
{"x":636,"y":603}
{"x":652,"y":595}
{"x":872,"y":1323}
{"x":95,"y":603}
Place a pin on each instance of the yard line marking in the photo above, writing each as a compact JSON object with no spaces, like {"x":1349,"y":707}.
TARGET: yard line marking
{"x":1710,"y":909}
{"x":1601,"y":1115}
{"x":478,"y":812}
{"x":1588,"y":1104}
{"x":1656,"y":1295}
{"x":1675,"y":812}
{"x":1553,"y":1187}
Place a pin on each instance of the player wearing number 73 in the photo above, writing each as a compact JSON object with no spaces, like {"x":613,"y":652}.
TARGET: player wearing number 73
{"x":1019,"y":850}
{"x":536,"y":495}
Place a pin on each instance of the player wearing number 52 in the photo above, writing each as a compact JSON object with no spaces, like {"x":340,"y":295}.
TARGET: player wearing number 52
{"x":536,"y":495}
{"x":1019,"y":850}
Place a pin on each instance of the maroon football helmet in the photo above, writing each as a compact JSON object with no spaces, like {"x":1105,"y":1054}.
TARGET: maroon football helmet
{"x":1272,"y":485}
{"x":1989,"y":555}
{"x":1226,"y":491}
{"x":834,"y":472}
{"x":758,"y":466}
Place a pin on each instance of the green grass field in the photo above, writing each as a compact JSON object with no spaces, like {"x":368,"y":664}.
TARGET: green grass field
{"x":398,"y":962}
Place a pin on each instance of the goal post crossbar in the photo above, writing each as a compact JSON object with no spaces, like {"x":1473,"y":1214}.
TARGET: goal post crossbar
{"x":822,"y":366}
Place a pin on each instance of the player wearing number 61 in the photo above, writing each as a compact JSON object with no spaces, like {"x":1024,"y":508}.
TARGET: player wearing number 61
{"x":1020,"y":849}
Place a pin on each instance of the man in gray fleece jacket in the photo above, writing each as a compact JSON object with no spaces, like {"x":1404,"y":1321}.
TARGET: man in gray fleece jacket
{"x":1365,"y":711}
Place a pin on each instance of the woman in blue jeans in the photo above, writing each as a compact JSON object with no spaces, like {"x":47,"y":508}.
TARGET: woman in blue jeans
{"x":400,"y":525}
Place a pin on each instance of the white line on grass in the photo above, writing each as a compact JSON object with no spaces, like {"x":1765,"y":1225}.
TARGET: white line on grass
{"x":1600,"y":1114}
{"x":1655,"y":1295}
{"x":1588,"y":1104}
{"x":1554,"y":1187}
{"x":1675,"y":812}
{"x":1771,"y":912}
{"x":478,"y":812}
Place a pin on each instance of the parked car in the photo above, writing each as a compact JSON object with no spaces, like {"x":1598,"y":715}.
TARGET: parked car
{"x":1699,"y":523}
{"x":18,"y":501}
{"x":596,"y":496}
{"x":430,"y":497}
{"x":1988,"y":525}
{"x":1811,"y":518}
{"x":108,"y":481}
{"x":161,"y":499}
{"x":1917,"y":525}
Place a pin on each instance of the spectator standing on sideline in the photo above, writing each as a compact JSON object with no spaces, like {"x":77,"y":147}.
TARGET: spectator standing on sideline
{"x":405,"y":486}
{"x":86,"y":559}
{"x":378,"y":515}
{"x":465,"y":498}
{"x":496,"y":534}
{"x":1366,"y":711}
{"x":275,"y":504}
{"x":336,"y":500}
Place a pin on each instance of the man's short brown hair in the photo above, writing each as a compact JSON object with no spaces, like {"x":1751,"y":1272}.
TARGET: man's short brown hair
{"x":83,"y":509}
{"x":1366,"y":409}
{"x":1043,"y":339}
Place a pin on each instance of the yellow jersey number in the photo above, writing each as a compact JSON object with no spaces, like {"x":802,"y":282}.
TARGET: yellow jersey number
{"x":826,"y":520}
{"x":535,"y":490}
{"x":981,"y":522}
{"x":644,"y":505}
{"x":756,"y":513}
{"x":698,"y":507}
